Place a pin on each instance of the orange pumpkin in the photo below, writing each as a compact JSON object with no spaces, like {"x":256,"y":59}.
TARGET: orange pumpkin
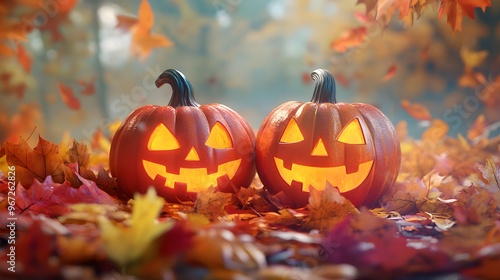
{"x":351,"y":146}
{"x":182,"y":148}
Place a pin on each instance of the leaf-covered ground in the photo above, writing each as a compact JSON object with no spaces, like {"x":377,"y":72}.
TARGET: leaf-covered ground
{"x":441,"y":218}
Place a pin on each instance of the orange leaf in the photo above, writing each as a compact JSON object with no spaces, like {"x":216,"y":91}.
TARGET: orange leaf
{"x":145,"y":18}
{"x":386,"y":8}
{"x":390,"y":72}
{"x":417,"y":111}
{"x":88,"y":88}
{"x":24,"y":58}
{"x":68,"y":98}
{"x":478,"y":127}
{"x":350,"y":39}
{"x":142,"y":39}
{"x":455,"y":10}
{"x":437,"y":131}
{"x":37,"y":163}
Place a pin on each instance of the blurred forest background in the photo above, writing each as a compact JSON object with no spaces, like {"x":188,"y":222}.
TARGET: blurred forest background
{"x":71,"y":66}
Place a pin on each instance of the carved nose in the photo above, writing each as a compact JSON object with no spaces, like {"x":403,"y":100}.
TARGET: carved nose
{"x":319,"y":149}
{"x":192,"y":155}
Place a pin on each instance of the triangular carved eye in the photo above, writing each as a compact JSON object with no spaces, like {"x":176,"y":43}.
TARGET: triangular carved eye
{"x":219,"y":137}
{"x":162,"y":139}
{"x":352,"y":133}
{"x":292,"y":133}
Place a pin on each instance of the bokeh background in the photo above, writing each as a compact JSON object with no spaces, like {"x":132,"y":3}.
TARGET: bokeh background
{"x":251,"y":55}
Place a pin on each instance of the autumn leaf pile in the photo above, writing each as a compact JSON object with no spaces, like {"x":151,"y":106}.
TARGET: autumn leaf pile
{"x":441,"y":217}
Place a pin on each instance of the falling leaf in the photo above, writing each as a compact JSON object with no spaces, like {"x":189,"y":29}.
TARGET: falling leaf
{"x":327,"y":208}
{"x":142,"y":39}
{"x":478,"y":128}
{"x":390,"y":73}
{"x":88,"y":88}
{"x":67,"y":96}
{"x":24,"y":58}
{"x":126,"y":244}
{"x":349,"y":39}
{"x":416,"y":110}
{"x":38,"y":163}
{"x":472,"y":59}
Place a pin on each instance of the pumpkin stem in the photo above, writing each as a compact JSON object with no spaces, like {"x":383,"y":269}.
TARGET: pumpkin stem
{"x":182,"y":91}
{"x":324,"y":91}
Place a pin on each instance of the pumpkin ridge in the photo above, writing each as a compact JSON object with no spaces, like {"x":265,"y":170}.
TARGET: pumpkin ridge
{"x":182,"y":90}
{"x":324,"y":91}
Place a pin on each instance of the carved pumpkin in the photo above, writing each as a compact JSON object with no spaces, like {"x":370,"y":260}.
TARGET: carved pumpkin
{"x":182,"y":148}
{"x":352,"y":146}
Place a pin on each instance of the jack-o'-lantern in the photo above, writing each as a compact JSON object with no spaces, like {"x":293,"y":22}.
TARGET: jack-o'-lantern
{"x":351,"y":146}
{"x":183,"y":148}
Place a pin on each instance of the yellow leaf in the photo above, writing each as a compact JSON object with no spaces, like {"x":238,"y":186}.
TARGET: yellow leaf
{"x":126,"y":244}
{"x":472,"y":59}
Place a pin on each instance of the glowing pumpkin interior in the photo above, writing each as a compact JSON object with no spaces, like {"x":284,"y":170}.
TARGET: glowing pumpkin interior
{"x":196,"y":179}
{"x":317,"y":176}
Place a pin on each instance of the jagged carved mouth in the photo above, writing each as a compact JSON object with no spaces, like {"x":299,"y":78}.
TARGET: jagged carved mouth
{"x":196,"y":179}
{"x":318,"y":176}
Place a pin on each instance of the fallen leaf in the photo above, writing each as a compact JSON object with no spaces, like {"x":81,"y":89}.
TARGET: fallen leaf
{"x":488,"y":178}
{"x":126,"y":244}
{"x":53,"y":199}
{"x":327,"y":208}
{"x":211,"y":203}
{"x":38,"y":163}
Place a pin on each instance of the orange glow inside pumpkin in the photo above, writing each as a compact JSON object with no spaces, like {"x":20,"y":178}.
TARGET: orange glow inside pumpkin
{"x":196,"y":179}
{"x":316,"y":176}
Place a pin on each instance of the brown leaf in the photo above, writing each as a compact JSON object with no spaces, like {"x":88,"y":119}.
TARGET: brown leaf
{"x":211,"y":203}
{"x":68,"y":98}
{"x":478,"y":128}
{"x":404,"y":196}
{"x":78,"y":153}
{"x":455,"y":10}
{"x":327,"y":208}
{"x":37,"y":163}
{"x":390,"y":73}
{"x":24,"y":58}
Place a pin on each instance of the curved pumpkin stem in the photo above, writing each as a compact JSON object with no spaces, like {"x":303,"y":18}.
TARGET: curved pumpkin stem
{"x":182,"y":91}
{"x":324,"y":91}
